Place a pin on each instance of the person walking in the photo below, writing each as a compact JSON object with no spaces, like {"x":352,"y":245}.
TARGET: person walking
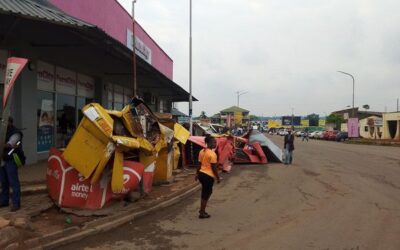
{"x":8,"y":170}
{"x":206,"y":173}
{"x":305,"y":135}
{"x":289,"y":147}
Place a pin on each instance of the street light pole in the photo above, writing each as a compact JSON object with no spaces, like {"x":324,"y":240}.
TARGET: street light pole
{"x":239,"y":93}
{"x":190,"y":70}
{"x":353,"y":88}
{"x":134,"y":50}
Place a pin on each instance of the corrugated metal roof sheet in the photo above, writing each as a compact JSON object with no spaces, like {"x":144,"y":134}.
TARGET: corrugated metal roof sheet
{"x":34,"y":10}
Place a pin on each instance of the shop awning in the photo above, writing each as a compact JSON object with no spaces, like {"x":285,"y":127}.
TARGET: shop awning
{"x":40,"y":10}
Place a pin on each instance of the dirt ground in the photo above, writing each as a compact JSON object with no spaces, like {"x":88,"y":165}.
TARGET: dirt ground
{"x":334,"y":196}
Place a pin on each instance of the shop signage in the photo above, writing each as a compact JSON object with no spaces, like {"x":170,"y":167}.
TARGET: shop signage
{"x":14,"y":68}
{"x":352,"y":127}
{"x":65,"y":81}
{"x":378,"y":122}
{"x":45,"y":131}
{"x":141,"y":49}
{"x":85,"y":86}
{"x":45,"y":76}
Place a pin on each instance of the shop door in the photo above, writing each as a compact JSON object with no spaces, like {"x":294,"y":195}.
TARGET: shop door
{"x":392,"y":125}
{"x":66,"y":119}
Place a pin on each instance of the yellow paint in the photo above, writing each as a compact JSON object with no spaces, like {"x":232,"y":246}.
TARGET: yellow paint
{"x":88,"y":143}
{"x":117,"y":180}
{"x":274,"y":124}
{"x":180,"y":133}
{"x":305,"y":123}
{"x":177,"y":154}
{"x":321,"y":123}
{"x":163,"y":171}
{"x":238,"y":117}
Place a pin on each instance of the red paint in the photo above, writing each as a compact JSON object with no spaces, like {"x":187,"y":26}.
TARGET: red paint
{"x":112,"y":18}
{"x":70,"y":189}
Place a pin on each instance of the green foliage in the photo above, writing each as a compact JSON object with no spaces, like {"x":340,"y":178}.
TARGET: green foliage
{"x":335,"y":119}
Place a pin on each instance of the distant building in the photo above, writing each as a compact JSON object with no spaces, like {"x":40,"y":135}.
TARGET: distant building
{"x":348,"y":113}
{"x":236,"y":115}
{"x":391,"y":125}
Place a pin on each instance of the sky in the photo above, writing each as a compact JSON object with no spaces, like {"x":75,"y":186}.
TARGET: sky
{"x":285,"y":53}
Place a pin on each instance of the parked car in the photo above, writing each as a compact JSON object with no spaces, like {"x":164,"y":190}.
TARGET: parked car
{"x":282,"y":132}
{"x":326,"y":134}
{"x":319,"y":135}
{"x":298,"y":133}
{"x":342,"y":136}
{"x":332,"y":135}
{"x":312,"y":135}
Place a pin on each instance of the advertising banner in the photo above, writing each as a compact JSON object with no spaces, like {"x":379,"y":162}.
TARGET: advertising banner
{"x":85,"y":86}
{"x":352,"y":127}
{"x":45,"y":76}
{"x":13,"y":70}
{"x":65,"y":81}
{"x":287,"y":120}
{"x":45,"y":132}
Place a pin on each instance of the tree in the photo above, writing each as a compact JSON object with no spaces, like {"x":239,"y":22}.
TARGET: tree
{"x":253,"y":117}
{"x":335,"y":119}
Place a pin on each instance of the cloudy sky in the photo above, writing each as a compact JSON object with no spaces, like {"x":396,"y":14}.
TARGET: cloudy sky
{"x":285,"y":53}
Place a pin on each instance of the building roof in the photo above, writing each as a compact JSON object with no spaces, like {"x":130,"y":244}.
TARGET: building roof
{"x":176,"y":112}
{"x":36,"y":10}
{"x":44,"y":11}
{"x":234,"y":109}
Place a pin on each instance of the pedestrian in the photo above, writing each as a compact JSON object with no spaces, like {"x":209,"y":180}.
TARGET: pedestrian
{"x":305,"y":135}
{"x":206,"y":173}
{"x":8,"y":170}
{"x":289,"y":147}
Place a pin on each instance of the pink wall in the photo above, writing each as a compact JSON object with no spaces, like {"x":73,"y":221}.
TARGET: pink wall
{"x":111,"y":17}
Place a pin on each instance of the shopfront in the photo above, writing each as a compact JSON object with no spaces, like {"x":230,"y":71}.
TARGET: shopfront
{"x":71,"y":63}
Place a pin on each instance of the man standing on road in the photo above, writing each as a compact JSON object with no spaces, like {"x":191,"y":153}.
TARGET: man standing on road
{"x":8,"y":170}
{"x":289,"y":147}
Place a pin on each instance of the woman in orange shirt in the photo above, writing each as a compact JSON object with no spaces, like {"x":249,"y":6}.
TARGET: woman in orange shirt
{"x":206,"y":173}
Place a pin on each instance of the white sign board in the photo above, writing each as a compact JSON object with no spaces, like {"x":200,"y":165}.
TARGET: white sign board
{"x":142,"y":50}
{"x":45,"y":76}
{"x":65,"y":81}
{"x":85,"y":86}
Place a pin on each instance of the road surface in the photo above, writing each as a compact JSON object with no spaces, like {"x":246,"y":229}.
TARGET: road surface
{"x":334,"y":196}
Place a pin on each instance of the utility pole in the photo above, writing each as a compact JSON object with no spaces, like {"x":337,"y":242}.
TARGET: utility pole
{"x":239,"y":93}
{"x":190,"y":71}
{"x":397,"y":104}
{"x":352,"y":77}
{"x":134,"y":50}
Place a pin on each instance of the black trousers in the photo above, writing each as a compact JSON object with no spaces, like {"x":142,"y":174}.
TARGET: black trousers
{"x":207,"y":183}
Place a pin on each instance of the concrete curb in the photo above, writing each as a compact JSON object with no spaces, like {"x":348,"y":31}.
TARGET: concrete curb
{"x":110,"y":222}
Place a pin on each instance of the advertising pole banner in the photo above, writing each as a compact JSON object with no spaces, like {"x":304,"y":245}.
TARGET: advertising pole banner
{"x":352,"y":127}
{"x":13,"y":70}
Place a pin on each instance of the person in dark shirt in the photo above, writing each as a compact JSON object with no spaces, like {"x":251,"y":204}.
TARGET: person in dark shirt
{"x":289,"y":147}
{"x":8,"y":170}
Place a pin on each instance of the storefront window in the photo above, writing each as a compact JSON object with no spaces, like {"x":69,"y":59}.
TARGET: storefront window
{"x":66,"y":121}
{"x":80,"y":103}
{"x":45,"y":118}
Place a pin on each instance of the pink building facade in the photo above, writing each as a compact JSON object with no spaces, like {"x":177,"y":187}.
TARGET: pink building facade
{"x":113,"y":19}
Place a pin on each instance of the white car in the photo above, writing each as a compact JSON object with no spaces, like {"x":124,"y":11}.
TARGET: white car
{"x":313,"y":134}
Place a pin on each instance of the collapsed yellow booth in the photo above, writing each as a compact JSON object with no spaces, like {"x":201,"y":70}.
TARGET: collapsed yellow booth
{"x":95,"y":143}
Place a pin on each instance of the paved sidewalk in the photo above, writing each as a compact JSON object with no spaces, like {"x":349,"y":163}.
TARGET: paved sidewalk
{"x":33,"y":173}
{"x":51,"y":227}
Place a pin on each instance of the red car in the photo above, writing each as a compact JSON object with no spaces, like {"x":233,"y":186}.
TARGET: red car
{"x":332,"y":135}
